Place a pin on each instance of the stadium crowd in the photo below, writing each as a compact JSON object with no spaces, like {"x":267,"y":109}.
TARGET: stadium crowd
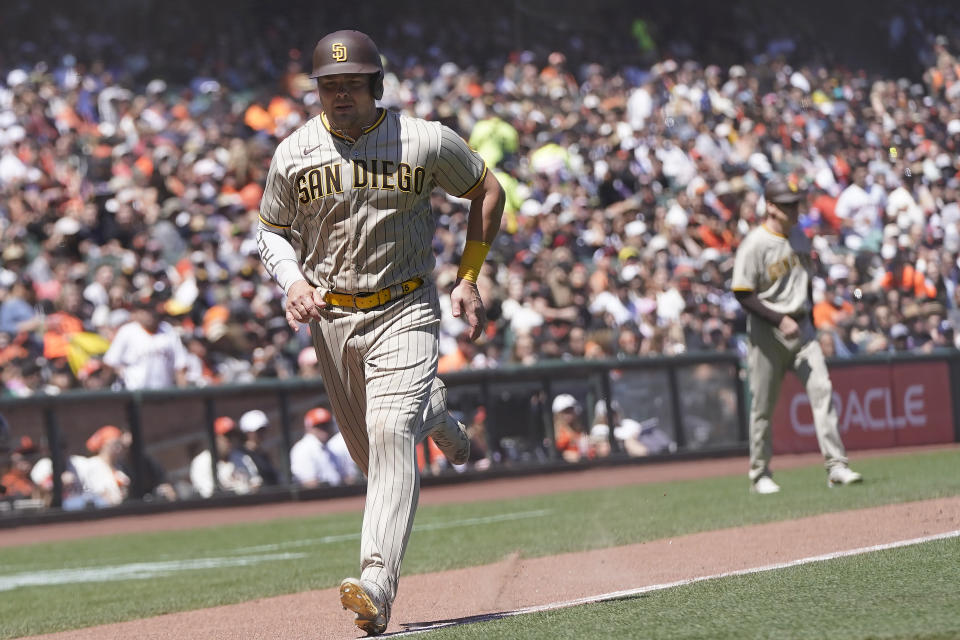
{"x":105,"y":473}
{"x":130,"y":181}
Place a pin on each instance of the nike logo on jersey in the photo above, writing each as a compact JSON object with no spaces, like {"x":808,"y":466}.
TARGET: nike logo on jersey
{"x":308,"y":150}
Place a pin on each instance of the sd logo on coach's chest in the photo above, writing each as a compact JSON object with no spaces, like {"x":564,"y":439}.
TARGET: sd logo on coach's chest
{"x":339,"y":51}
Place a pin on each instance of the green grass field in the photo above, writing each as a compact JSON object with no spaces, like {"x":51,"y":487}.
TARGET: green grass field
{"x":899,"y":593}
{"x":115,"y":578}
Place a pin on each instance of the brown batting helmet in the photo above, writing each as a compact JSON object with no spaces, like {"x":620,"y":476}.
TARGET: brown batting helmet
{"x":349,"y":52}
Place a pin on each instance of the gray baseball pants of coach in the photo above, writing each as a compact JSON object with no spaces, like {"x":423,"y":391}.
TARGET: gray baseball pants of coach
{"x":769,"y":357}
{"x":379,"y":369}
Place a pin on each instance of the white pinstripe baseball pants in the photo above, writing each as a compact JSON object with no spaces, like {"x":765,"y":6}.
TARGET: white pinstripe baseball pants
{"x":379,"y":367}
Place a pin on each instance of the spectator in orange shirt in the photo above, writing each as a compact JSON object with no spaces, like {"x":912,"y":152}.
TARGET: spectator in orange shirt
{"x":904,"y":277}
{"x":569,"y":436}
{"x":16,"y":482}
{"x":827,"y":206}
{"x":834,"y":310}
{"x":258,"y":118}
{"x":459,"y":358}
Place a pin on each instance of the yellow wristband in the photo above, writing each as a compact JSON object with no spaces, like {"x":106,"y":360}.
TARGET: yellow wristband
{"x":473,"y":256}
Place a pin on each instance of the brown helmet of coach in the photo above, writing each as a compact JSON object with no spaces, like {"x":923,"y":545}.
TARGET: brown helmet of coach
{"x":349,"y":51}
{"x":779,"y":191}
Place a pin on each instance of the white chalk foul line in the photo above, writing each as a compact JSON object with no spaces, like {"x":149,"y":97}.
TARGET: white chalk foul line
{"x":614,"y":595}
{"x":132,"y":571}
{"x":430,"y":526}
{"x":144,"y":570}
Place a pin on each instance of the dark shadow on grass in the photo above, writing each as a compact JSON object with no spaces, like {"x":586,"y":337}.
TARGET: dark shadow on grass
{"x":430,"y":625}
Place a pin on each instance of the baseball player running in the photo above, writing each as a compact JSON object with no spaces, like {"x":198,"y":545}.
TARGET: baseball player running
{"x":346,"y":230}
{"x":772,"y":280}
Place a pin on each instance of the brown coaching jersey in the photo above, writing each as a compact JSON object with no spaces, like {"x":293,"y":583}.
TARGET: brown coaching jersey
{"x":778,"y":268}
{"x":358,"y":212}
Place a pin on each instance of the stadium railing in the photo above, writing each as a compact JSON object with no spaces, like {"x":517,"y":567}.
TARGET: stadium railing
{"x":688,"y":406}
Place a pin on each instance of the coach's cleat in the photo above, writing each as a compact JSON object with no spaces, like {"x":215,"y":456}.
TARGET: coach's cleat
{"x":844,"y":475}
{"x":764,"y":485}
{"x":372,"y":614}
{"x":451,"y":437}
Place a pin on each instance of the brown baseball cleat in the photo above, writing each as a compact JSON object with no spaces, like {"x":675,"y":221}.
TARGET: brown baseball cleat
{"x":372,"y":615}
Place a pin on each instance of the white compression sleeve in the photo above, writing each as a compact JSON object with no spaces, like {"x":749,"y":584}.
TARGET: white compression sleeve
{"x":279,"y":257}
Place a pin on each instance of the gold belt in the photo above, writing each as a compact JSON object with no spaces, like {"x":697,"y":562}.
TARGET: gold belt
{"x":374,"y":298}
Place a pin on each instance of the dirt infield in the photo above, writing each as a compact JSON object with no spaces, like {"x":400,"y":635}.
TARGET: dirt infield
{"x":513,"y":582}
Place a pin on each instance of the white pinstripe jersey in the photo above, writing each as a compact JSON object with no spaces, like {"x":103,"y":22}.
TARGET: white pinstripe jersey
{"x":359,"y":212}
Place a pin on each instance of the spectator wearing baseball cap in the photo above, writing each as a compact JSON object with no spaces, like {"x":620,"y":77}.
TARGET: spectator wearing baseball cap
{"x":834,"y":310}
{"x":224,"y":425}
{"x":113,"y":444}
{"x":116,"y":442}
{"x":254,"y":425}
{"x":102,"y":475}
{"x":900,"y":337}
{"x":102,"y":437}
{"x":569,"y":436}
{"x":253,"y":421}
{"x":236,"y":471}
{"x":320,"y":457}
{"x":944,"y":336}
